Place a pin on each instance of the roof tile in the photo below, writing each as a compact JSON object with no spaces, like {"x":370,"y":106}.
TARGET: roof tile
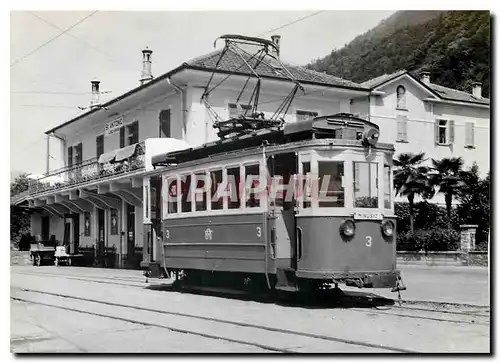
{"x":231,"y":62}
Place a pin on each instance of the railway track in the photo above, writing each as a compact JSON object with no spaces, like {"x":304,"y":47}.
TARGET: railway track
{"x":227,"y":330}
{"x":368,"y":304}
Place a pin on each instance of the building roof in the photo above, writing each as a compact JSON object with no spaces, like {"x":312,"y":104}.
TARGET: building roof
{"x":232,"y":63}
{"x":377,"y":81}
{"x":440,"y":91}
{"x":456,"y":95}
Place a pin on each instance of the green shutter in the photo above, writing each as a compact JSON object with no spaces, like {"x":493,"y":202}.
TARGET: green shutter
{"x":436,"y":131}
{"x":122,"y":136}
{"x":451,"y":131}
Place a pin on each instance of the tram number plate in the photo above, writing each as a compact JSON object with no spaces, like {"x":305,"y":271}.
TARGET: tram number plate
{"x":369,"y":216}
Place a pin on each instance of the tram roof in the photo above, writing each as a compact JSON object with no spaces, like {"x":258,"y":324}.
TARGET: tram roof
{"x":299,"y":131}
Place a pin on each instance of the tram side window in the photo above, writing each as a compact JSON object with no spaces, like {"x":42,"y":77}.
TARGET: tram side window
{"x":172,"y":196}
{"x":200,"y":194}
{"x":331,"y":190}
{"x":186,"y":195}
{"x":216,"y":199}
{"x":306,"y":191}
{"x":387,"y":187}
{"x":233,"y":180}
{"x":366,"y":185}
{"x":252,"y":182}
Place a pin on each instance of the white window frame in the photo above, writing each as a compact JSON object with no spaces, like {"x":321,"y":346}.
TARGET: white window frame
{"x":450,"y":124}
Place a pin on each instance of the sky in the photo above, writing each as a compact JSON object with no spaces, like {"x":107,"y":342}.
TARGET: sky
{"x":50,"y":79}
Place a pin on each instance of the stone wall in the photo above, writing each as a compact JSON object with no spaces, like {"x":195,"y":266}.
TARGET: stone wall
{"x":442,"y":258}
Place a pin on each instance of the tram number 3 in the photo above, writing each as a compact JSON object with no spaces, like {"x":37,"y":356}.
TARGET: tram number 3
{"x":259,"y":232}
{"x":167,"y":234}
{"x":368,"y":241}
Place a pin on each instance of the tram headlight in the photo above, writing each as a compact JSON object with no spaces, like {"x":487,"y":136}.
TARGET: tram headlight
{"x":348,"y":228}
{"x":388,"y":228}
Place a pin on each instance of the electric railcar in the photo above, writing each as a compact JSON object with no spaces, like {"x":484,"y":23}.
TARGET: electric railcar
{"x":318,"y":209}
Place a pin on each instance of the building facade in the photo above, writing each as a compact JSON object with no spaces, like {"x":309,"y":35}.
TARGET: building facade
{"x":96,"y":196}
{"x":419,"y":116}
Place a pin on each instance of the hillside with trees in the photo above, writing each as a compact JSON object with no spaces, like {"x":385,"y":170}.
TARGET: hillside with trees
{"x":453,"y":45}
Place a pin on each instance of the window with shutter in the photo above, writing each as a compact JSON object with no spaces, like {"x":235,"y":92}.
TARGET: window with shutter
{"x":444,"y":132}
{"x":122,"y":136}
{"x":469,"y":134}
{"x":99,"y":145}
{"x":165,"y":130}
{"x":70,"y":156}
{"x":78,"y":154}
{"x":402,"y":125}
{"x":133,"y":133}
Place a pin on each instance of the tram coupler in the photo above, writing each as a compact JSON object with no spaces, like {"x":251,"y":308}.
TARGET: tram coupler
{"x":400,"y":286}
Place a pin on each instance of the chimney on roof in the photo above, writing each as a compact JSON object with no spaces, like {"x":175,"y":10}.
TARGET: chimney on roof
{"x":477,"y":90}
{"x":425,"y":77}
{"x":146,"y":75}
{"x":276,"y":39}
{"x":95,"y":94}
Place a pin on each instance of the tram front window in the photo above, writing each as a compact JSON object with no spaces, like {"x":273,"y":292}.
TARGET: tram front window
{"x":331,"y":190}
{"x":306,"y":195}
{"x":365,"y":185}
{"x":387,"y":187}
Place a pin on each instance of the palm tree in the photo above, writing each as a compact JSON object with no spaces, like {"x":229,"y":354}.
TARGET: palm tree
{"x":411,"y":179}
{"x":446,"y":176}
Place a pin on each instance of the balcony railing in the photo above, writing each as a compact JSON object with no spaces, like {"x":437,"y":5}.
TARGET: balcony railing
{"x":86,"y":171}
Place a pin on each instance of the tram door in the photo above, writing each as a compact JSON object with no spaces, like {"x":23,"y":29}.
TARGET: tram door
{"x":282,"y":211}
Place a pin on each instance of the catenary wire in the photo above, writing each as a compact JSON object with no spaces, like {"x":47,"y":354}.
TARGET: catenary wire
{"x":51,"y":39}
{"x":291,"y":23}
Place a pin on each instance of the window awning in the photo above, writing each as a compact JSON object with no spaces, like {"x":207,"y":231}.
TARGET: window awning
{"x":107,"y":157}
{"x":125,"y":152}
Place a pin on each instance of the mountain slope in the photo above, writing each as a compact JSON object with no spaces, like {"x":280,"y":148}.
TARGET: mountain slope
{"x":453,"y":45}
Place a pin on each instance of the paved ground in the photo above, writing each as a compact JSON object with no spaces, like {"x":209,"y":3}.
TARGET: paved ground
{"x":447,"y":284}
{"x":118,"y":320}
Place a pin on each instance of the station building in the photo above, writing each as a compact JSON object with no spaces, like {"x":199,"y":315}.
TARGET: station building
{"x":97,"y":197}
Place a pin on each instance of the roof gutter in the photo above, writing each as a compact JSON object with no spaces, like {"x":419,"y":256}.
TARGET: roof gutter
{"x":458,"y":103}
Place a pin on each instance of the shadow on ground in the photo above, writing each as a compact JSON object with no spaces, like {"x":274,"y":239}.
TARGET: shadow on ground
{"x":325,"y":299}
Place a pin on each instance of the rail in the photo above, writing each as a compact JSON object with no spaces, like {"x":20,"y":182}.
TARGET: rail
{"x":86,"y":171}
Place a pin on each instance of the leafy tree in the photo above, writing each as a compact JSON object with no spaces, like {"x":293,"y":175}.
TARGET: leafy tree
{"x":474,"y":201}
{"x":19,"y":217}
{"x":20,"y":184}
{"x":446,"y":178}
{"x":410,"y":180}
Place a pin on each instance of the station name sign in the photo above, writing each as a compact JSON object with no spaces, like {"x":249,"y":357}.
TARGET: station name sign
{"x":113,"y":126}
